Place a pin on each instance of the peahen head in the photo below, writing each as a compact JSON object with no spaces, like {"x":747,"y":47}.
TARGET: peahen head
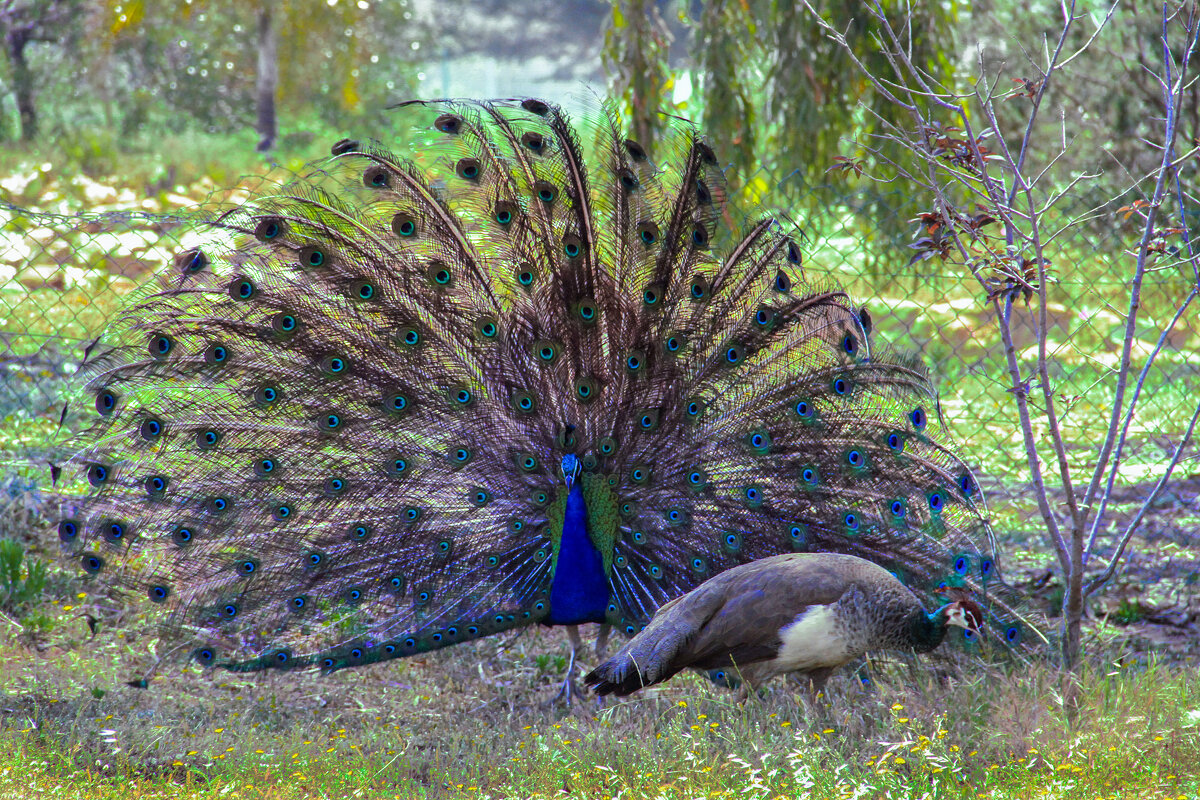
{"x":928,"y":629}
{"x":964,"y":613}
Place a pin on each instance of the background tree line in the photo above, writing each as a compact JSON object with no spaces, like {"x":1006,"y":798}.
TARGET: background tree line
{"x":776,"y":95}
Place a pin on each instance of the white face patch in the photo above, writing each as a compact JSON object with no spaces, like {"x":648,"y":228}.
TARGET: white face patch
{"x":957,"y":616}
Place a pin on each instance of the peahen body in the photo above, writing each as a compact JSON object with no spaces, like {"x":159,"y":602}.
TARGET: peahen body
{"x":517,"y":373}
{"x":801,"y":612}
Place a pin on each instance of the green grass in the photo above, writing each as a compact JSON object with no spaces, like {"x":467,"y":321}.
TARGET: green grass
{"x":468,"y":722}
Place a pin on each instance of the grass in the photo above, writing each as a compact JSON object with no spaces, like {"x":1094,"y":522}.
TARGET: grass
{"x":469,"y":722}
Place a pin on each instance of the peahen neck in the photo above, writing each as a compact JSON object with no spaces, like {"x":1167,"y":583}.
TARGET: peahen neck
{"x":927,"y":630}
{"x":579,"y":591}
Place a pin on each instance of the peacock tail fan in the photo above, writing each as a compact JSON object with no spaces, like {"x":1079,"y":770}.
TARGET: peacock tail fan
{"x":334,"y":433}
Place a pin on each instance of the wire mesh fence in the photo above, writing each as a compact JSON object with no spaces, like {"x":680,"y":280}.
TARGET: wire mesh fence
{"x":64,"y":275}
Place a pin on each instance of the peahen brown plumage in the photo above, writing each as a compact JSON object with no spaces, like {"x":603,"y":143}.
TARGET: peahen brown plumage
{"x":412,"y":399}
{"x":808,"y":613}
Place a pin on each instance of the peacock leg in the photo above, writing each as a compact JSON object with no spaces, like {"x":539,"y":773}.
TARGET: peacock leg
{"x":602,"y":640}
{"x":568,"y":691}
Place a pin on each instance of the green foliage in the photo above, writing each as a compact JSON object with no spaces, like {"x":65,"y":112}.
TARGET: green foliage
{"x":22,"y":580}
{"x":549,"y":663}
{"x":1110,"y":99}
{"x":1127,"y":613}
{"x":136,"y":68}
{"x":636,"y":45}
{"x":778,"y":99}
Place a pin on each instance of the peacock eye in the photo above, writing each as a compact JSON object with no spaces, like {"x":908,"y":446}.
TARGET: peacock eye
{"x":533,"y":141}
{"x":467,"y":168}
{"x":648,"y":233}
{"x":448,"y":123}
{"x":242,"y":289}
{"x":404,"y":225}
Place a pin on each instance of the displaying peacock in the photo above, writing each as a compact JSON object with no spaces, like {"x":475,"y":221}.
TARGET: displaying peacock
{"x":520,"y":373}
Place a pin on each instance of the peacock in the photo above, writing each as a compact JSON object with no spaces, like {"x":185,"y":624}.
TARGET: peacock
{"x":517,"y":372}
{"x":808,"y":613}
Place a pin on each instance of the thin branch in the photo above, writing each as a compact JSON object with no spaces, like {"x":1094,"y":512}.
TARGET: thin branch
{"x":1112,"y":473}
{"x":1103,"y":577}
{"x":1135,"y":291}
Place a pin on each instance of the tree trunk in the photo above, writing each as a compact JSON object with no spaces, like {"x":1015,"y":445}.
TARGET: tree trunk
{"x":1073,"y":625}
{"x":268,"y":79}
{"x":22,"y":80}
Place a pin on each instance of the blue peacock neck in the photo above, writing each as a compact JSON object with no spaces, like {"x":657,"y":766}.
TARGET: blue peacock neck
{"x":579,"y":590}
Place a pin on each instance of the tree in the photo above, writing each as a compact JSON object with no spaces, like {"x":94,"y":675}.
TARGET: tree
{"x":775,"y":95}
{"x":636,"y":46}
{"x":1000,"y":203}
{"x":268,"y":78}
{"x":22,"y":24}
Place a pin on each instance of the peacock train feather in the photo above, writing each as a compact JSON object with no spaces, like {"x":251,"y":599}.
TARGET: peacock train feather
{"x":412,"y":399}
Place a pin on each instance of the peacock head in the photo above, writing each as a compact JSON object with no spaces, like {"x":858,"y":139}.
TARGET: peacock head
{"x":570,"y":469}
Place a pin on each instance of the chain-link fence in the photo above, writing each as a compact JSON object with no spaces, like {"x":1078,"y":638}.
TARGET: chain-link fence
{"x":62,"y":276}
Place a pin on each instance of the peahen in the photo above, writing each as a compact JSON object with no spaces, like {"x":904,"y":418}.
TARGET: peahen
{"x":800,"y":612}
{"x":412,"y":399}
